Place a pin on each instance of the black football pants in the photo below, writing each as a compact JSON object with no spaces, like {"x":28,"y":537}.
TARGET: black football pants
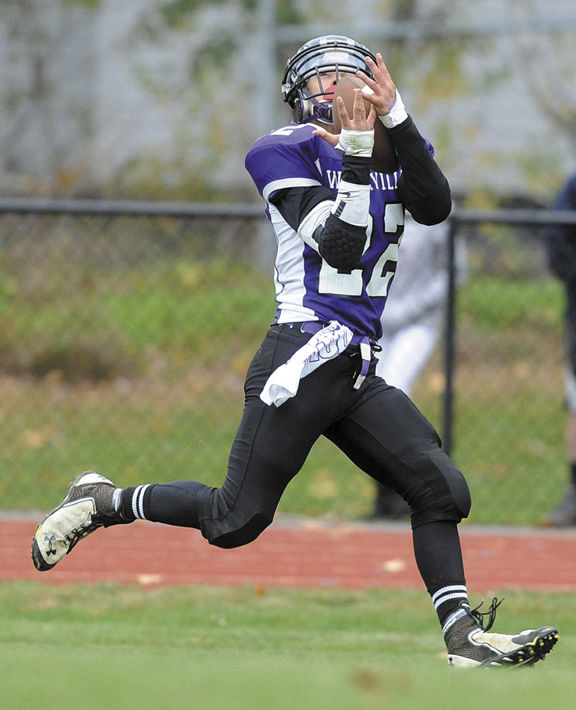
{"x":376,"y":426}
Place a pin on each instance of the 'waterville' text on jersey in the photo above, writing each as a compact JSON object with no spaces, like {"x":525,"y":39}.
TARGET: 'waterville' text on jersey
{"x":379,"y":181}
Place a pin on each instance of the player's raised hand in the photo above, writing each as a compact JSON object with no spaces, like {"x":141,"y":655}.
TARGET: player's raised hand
{"x":383,"y":88}
{"x":359,"y":121}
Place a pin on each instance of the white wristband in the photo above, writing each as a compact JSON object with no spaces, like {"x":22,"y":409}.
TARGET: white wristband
{"x":397,"y":113}
{"x":358,"y":143}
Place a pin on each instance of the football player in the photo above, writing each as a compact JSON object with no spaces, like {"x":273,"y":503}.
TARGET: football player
{"x":338,"y":226}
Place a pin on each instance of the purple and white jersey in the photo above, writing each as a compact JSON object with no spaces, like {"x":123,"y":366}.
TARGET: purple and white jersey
{"x":307,"y":287}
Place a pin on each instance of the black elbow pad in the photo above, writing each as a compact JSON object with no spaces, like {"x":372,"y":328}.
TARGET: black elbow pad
{"x":341,"y":244}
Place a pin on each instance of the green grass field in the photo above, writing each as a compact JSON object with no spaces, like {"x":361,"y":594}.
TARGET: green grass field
{"x":110,"y":646}
{"x":137,"y":371}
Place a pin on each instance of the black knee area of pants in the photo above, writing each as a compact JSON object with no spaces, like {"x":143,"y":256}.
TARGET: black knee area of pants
{"x":227,"y":536}
{"x":235,"y":516}
{"x":444,"y":496}
{"x":464,"y":502}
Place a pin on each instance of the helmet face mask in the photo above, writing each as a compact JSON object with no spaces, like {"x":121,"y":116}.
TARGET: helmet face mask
{"x":323,"y":55}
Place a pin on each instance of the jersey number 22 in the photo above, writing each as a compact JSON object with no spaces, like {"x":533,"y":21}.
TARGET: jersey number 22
{"x":336,"y":283}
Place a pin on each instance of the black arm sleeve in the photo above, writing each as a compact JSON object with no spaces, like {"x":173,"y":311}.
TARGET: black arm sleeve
{"x":422,"y":186}
{"x":294,"y":203}
{"x":339,"y":243}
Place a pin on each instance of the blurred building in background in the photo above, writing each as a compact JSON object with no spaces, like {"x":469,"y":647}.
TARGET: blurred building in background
{"x":162,"y":98}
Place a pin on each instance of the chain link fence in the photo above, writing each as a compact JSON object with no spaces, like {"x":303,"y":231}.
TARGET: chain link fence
{"x":126,"y":330}
{"x":503,"y":412}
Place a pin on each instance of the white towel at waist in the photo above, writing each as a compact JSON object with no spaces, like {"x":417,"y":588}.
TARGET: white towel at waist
{"x":326,"y":344}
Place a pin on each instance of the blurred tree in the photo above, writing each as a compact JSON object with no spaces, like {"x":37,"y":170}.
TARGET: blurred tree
{"x":46,"y":119}
{"x":546,"y":61}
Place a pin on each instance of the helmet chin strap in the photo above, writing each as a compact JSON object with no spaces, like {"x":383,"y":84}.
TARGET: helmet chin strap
{"x":319,"y":111}
{"x":314,"y":110}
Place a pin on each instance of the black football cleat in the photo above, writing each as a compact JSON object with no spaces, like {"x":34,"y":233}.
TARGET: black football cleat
{"x":87,"y":507}
{"x":470,"y":645}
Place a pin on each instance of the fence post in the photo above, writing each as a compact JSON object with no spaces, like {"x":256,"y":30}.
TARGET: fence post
{"x":450,"y":342}
{"x":267,"y":88}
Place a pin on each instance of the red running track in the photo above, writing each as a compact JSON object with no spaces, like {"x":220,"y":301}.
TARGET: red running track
{"x":295,"y":554}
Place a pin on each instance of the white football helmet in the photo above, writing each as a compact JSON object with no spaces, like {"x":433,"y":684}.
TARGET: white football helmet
{"x":331,"y":53}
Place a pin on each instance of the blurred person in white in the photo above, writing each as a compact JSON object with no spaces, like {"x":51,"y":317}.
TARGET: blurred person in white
{"x":412,"y":322}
